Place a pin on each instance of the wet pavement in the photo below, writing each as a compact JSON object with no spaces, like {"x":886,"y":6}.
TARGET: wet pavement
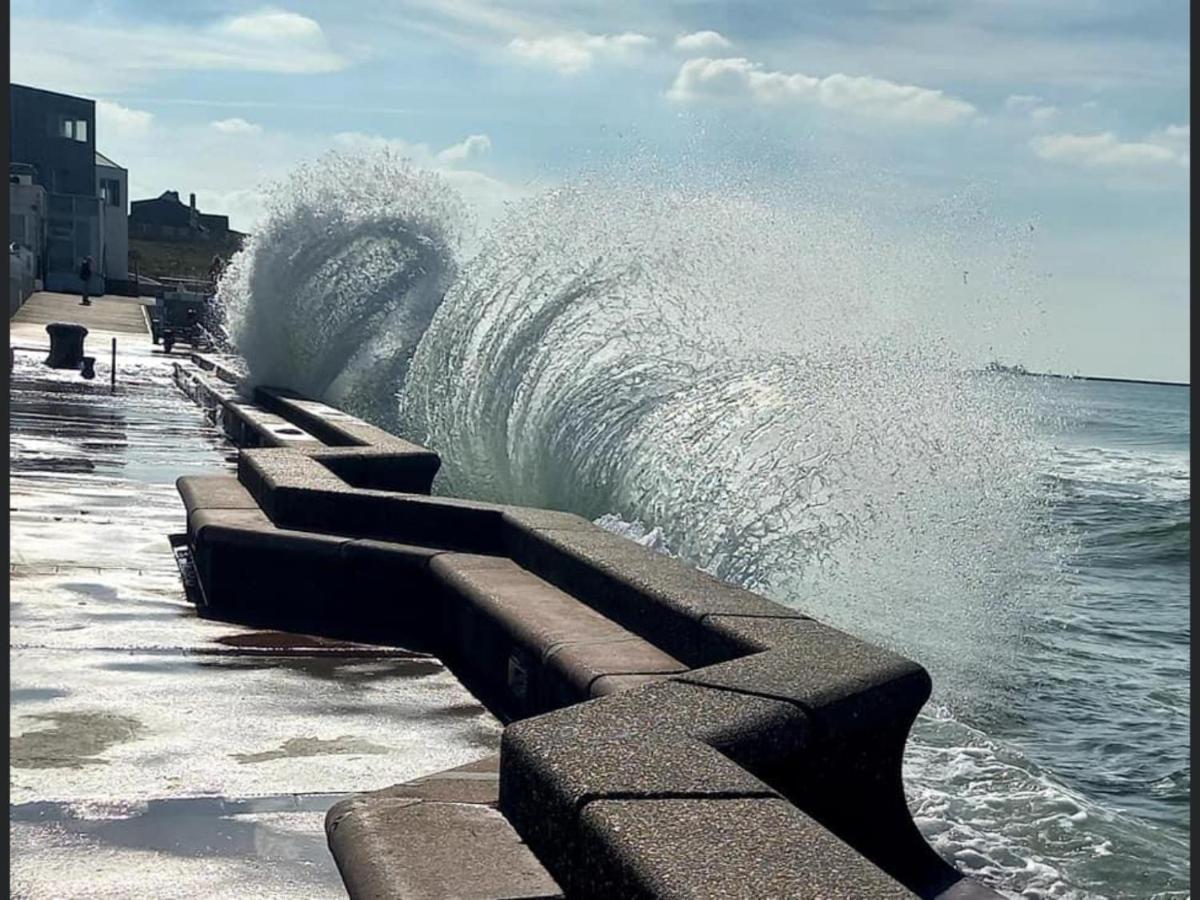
{"x":152,"y":752}
{"x":108,"y":315}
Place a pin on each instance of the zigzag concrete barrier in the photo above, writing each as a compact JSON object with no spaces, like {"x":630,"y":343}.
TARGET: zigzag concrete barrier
{"x":670,"y":735}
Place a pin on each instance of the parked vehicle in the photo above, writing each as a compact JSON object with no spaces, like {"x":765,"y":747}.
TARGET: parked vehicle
{"x":178,"y":316}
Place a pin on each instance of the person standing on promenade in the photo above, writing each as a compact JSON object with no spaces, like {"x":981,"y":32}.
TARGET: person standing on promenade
{"x":85,"y":273}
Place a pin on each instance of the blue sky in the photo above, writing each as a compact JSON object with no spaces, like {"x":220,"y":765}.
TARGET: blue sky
{"x":1073,"y":117}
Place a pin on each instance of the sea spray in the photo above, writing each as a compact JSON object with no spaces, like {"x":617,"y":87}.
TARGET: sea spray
{"x":748,"y":379}
{"x":339,"y":281}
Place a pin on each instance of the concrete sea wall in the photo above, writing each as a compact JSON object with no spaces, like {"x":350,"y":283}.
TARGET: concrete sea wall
{"x":669,"y":734}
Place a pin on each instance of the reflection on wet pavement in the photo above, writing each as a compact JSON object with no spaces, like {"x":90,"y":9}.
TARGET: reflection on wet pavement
{"x":155,"y":753}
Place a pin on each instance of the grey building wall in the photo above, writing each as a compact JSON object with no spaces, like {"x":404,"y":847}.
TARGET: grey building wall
{"x":64,"y":164}
{"x":75,"y":231}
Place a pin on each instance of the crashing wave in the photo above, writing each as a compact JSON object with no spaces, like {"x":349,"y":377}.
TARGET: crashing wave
{"x":771,"y":390}
{"x":333,"y":291}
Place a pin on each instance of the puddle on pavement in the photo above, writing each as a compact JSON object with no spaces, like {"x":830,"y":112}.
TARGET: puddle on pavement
{"x":51,"y":465}
{"x":175,"y":613}
{"x":275,"y":641}
{"x":91,"y":589}
{"x":347,"y":671}
{"x":75,"y":740}
{"x":307,"y":746}
{"x":193,"y":826}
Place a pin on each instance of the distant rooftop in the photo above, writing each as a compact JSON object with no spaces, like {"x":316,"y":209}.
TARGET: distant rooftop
{"x":102,"y":160}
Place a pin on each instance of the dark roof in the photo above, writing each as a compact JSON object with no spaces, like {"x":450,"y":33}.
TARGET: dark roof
{"x":25,"y":87}
{"x":168,"y":209}
{"x":166,"y":199}
{"x":164,"y":210}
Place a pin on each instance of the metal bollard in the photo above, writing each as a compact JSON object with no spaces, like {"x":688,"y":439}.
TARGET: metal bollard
{"x":66,"y":345}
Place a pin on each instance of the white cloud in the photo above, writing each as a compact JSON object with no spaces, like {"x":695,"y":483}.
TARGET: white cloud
{"x":236,"y":126}
{"x":230,"y":171}
{"x":1022,"y":102}
{"x":574,"y":52}
{"x":114,"y":121}
{"x":273,"y":25}
{"x":486,"y":196}
{"x":1177,"y":139}
{"x":472,"y":146}
{"x":269,"y":40}
{"x":1031,"y":105}
{"x":702,"y":41}
{"x":357,"y":140}
{"x":1105,"y":150}
{"x":740,"y":80}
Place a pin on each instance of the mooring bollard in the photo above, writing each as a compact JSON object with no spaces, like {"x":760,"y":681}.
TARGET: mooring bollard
{"x":66,"y":345}
{"x":87,"y":367}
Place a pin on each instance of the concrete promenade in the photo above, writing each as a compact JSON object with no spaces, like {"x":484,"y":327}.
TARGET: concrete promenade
{"x":154,"y":753}
{"x":108,"y":316}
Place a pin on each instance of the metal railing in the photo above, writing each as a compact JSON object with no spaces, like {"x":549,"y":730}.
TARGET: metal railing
{"x":195,"y":285}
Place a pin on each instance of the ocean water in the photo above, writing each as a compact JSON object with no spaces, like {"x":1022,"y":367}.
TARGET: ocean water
{"x":1078,"y":783}
{"x":788,"y":396}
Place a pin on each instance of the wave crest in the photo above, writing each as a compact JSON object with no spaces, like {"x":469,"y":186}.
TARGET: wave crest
{"x":332,"y":293}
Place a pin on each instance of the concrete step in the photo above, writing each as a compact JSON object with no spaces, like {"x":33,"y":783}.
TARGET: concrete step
{"x":534,"y":647}
{"x":435,"y":838}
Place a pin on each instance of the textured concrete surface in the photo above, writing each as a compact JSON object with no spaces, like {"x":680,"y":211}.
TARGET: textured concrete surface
{"x":729,"y":848}
{"x":439,"y":836}
{"x":845,"y":683}
{"x":541,"y":647}
{"x":660,"y":598}
{"x":107,"y":316}
{"x":753,"y":634}
{"x":438,"y":850}
{"x":154,"y":753}
{"x":779,"y":770}
{"x":637,"y":745}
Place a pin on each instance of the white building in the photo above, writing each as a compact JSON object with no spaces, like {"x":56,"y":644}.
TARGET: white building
{"x":112,"y":187}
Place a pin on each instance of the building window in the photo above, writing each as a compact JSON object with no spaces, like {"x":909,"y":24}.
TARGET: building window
{"x":110,"y":190}
{"x":75,"y":129}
